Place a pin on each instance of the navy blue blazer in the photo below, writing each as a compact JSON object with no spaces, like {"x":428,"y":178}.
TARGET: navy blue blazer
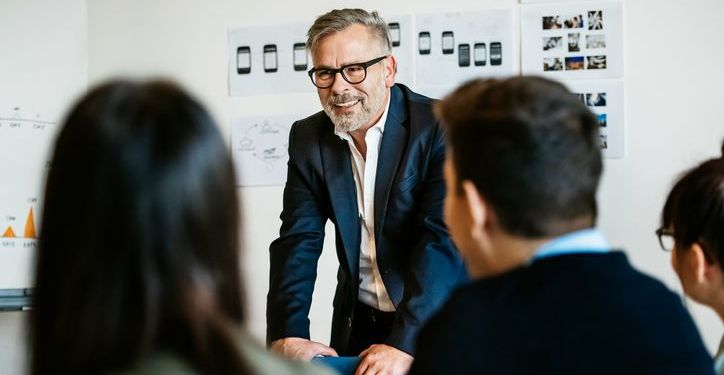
{"x":416,"y":258}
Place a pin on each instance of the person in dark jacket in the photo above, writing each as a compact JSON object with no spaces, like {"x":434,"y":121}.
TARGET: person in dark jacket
{"x":370,"y":162}
{"x":549,"y":295}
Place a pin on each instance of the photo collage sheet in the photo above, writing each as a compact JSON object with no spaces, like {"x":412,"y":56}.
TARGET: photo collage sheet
{"x":581,"y":44}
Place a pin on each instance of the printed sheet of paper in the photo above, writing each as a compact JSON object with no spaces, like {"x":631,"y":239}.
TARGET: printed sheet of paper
{"x":269,"y":60}
{"x":581,"y":40}
{"x":259,"y":147}
{"x":40,"y":78}
{"x":452,"y":48}
{"x":605,"y":99}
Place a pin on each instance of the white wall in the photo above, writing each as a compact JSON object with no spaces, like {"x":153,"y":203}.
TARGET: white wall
{"x":672,"y":94}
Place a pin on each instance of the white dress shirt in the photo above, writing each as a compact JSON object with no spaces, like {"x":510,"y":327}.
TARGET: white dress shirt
{"x":372,"y":290}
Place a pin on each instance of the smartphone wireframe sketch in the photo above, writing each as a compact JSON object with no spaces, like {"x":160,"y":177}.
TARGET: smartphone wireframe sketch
{"x":496,"y":53}
{"x":270,"y":58}
{"x":423,"y":42}
{"x":300,"y":57}
{"x":243,"y":60}
{"x":394,"y":33}
{"x":463,"y":54}
{"x":448,"y":43}
{"x":479,"y":54}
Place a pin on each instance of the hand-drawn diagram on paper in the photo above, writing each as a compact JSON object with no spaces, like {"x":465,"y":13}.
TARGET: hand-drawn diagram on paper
{"x":259,"y":148}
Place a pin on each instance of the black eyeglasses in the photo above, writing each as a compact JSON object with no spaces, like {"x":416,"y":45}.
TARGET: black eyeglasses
{"x":666,"y":239}
{"x":352,"y":73}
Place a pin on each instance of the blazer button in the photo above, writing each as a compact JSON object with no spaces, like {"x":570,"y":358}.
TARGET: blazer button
{"x":349,"y":321}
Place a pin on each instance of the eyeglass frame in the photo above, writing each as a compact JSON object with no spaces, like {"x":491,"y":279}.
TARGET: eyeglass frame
{"x":341,"y":69}
{"x":660,"y":233}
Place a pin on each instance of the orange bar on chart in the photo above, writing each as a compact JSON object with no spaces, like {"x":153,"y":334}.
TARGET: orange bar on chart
{"x":30,"y":225}
{"x":9,"y":232}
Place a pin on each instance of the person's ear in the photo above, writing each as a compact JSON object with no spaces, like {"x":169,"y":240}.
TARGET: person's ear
{"x":390,"y":71}
{"x":477,"y":208}
{"x":705,"y":272}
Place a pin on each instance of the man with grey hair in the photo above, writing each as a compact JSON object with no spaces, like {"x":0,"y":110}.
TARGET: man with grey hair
{"x":371,"y":162}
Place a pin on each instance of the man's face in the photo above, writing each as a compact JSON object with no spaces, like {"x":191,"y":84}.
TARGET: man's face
{"x":353,"y":107}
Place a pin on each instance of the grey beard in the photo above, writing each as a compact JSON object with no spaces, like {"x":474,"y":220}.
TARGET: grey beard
{"x":350,"y":122}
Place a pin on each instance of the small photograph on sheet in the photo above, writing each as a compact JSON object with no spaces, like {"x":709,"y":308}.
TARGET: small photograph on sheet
{"x":573,"y":42}
{"x":595,"y":20}
{"x":596,"y":41}
{"x":573,"y":22}
{"x":552,"y":43}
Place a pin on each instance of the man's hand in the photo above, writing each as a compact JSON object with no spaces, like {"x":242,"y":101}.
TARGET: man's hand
{"x":302,"y":349}
{"x":384,"y":360}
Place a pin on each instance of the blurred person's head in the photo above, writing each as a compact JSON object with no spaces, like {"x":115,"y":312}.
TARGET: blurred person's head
{"x":138,"y":243}
{"x":693,"y":217}
{"x":523,"y":166}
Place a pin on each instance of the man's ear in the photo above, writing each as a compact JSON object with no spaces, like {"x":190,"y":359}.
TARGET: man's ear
{"x":477,"y":208}
{"x":390,"y":71}
{"x":706,"y":272}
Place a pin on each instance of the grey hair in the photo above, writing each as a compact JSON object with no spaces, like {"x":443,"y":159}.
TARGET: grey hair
{"x":340,"y":19}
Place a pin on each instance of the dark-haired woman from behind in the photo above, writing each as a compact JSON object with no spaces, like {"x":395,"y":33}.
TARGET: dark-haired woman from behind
{"x":137,"y":268}
{"x":693,"y":230}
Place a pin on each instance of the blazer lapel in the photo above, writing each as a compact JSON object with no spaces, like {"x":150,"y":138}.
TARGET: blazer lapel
{"x":342,"y":194}
{"x":394,"y":144}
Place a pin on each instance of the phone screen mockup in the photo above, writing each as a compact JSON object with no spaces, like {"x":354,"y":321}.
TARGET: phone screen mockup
{"x":448,"y":43}
{"x":270,"y":58}
{"x":243,"y":60}
{"x":479,"y":54}
{"x":395,"y":34}
{"x":463,"y":55}
{"x":300,"y":57}
{"x":424,"y":43}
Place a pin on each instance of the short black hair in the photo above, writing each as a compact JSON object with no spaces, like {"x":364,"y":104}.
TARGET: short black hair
{"x":694,"y":209}
{"x":530,"y":147}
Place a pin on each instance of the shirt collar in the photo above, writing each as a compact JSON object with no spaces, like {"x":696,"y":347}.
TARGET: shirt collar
{"x":589,"y":240}
{"x":379,"y":125}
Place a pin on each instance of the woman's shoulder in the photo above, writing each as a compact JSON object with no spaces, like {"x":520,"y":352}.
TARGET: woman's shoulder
{"x":160,"y":363}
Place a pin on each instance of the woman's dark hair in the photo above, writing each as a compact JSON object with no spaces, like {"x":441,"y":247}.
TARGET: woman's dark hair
{"x":694,"y":210}
{"x":138,"y":249}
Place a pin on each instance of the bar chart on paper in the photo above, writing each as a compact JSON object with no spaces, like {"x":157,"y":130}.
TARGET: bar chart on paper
{"x":25,"y":139}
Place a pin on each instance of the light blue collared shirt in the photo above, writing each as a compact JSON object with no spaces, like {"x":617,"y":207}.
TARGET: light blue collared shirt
{"x":583,"y":241}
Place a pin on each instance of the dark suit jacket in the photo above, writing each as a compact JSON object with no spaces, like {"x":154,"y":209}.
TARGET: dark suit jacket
{"x":418,"y":262}
{"x":566,"y":314}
